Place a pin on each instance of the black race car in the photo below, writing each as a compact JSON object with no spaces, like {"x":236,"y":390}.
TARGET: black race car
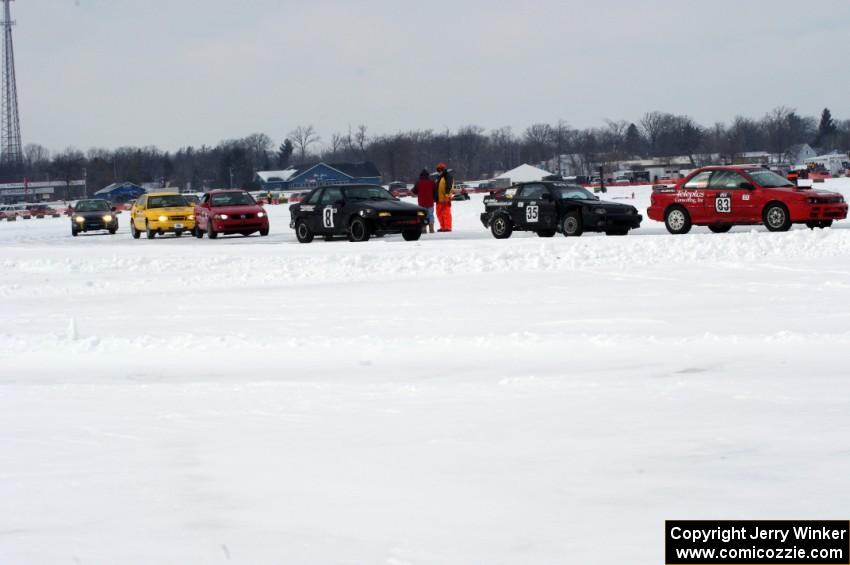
{"x":357,"y":211}
{"x":90,"y":215}
{"x":551,"y":207}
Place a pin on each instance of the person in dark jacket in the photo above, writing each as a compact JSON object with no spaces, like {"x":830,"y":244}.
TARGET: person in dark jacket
{"x":425,"y":190}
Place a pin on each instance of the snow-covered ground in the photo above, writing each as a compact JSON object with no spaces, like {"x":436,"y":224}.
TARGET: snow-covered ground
{"x":455,"y":400}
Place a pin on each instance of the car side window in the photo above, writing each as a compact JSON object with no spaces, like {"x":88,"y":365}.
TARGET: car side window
{"x":205,"y":200}
{"x":314,"y":198}
{"x":532,"y":192}
{"x":726,"y":180}
{"x":331,"y":195}
{"x":699,"y":181}
{"x":142,"y":201}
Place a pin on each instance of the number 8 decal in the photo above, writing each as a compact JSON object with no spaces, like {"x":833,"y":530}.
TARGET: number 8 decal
{"x":531,"y":213}
{"x":328,"y":217}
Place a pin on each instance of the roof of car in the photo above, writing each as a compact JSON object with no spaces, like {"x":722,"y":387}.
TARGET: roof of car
{"x":163,"y":194}
{"x":220,"y":190}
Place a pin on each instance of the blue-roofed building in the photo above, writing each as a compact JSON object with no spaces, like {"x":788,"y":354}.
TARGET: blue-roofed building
{"x":120,"y":192}
{"x":311,"y":175}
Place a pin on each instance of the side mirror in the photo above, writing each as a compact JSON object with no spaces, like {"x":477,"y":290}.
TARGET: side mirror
{"x":546,"y":197}
{"x":747,"y":185}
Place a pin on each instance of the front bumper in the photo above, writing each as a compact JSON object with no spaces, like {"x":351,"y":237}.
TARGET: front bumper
{"x":607,"y":221}
{"x":236,"y":225}
{"x":828,"y":211}
{"x":171,"y":226}
{"x":94,"y":225}
{"x":398,"y":224}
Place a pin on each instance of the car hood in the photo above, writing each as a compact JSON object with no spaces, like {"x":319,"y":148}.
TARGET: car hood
{"x":171,"y":210}
{"x":806,"y":191}
{"x":247,"y":209}
{"x":388,"y":206}
{"x":613,"y":207}
{"x":92,"y":215}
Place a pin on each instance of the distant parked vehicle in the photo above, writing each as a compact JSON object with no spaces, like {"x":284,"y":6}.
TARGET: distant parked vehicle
{"x":93,"y":215}
{"x":42,"y":210}
{"x":399,"y":189}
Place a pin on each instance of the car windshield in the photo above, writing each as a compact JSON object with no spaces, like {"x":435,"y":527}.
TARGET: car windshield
{"x":367,"y":193}
{"x":191,"y":198}
{"x":92,"y":206}
{"x":769,"y":179}
{"x":574,"y":193}
{"x":232,"y":199}
{"x":167,"y":201}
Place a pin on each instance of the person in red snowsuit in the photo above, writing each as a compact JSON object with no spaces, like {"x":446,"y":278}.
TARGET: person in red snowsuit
{"x":425,"y":190}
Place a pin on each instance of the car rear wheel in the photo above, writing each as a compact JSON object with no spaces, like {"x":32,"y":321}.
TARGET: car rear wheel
{"x":149,"y":233}
{"x":776,"y":217}
{"x":411,"y":235}
{"x":820,"y":224}
{"x":571,"y":226}
{"x":546,"y":233}
{"x":211,"y":233}
{"x":501,"y":227}
{"x":677,"y":220}
{"x":358,"y":231}
{"x":720,"y":228}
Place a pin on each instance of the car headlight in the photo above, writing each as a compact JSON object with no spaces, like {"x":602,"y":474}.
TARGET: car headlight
{"x":600,"y":211}
{"x":79,"y":219}
{"x":367,"y":212}
{"x":190,"y":217}
{"x":420,"y":213}
{"x":163,"y":218}
{"x":107,"y":218}
{"x":384,"y":214}
{"x":221,"y":216}
{"x":261,"y":214}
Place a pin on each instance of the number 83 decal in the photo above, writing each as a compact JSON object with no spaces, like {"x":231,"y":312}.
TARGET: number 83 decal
{"x":723,"y":204}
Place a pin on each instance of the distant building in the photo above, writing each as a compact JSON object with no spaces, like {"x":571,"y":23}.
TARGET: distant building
{"x":797,"y":154}
{"x":523,"y":173}
{"x":318,"y":174}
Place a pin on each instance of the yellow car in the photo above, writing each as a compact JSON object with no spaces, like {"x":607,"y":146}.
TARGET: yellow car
{"x":157,"y":213}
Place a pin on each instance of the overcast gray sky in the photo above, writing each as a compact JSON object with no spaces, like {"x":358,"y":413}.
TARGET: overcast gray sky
{"x":189,"y":72}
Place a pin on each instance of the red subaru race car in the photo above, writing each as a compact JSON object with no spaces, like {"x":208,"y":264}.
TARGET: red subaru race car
{"x":227,"y":212}
{"x":722,"y":197}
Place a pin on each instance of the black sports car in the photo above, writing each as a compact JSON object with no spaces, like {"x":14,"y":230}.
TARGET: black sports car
{"x":357,"y":211}
{"x":551,"y":207}
{"x":90,"y":215}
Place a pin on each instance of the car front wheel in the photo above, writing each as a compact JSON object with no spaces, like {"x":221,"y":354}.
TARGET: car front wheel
{"x":358,"y":230}
{"x":303,"y":232}
{"x":776,"y":217}
{"x":571,"y":226}
{"x":677,"y":220}
{"x":133,"y":231}
{"x":411,"y":235}
{"x":74,"y":232}
{"x":501,"y":227}
{"x":149,"y":233}
{"x":211,"y":233}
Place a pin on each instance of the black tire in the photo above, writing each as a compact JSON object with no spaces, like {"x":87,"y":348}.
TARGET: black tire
{"x":546,"y":233}
{"x":198,"y":232}
{"x":133,"y":231}
{"x":411,"y":235}
{"x":328,"y":237}
{"x":819,"y":224}
{"x":358,"y":230}
{"x":74,"y":232}
{"x":178,"y":233}
{"x":776,"y":217}
{"x":112,"y":231}
{"x":264,"y":232}
{"x":501,"y":227}
{"x":677,"y":220}
{"x":571,"y":226}
{"x":303,"y":233}
{"x":211,"y":233}
{"x":723,"y":228}
{"x":150,"y":234}
{"x":617,"y":231}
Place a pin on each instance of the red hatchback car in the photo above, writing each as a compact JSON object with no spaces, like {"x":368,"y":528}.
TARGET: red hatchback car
{"x":228,"y":212}
{"x":722,"y":197}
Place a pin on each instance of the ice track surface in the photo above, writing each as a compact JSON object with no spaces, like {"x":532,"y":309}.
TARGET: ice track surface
{"x":455,"y":400}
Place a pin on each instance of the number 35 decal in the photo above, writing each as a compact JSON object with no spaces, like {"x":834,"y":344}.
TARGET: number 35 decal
{"x":531,"y":213}
{"x":328,"y":217}
{"x":723,"y":204}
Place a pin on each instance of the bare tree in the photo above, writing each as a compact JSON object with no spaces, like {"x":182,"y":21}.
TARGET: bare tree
{"x":303,"y":137}
{"x":337,"y":144}
{"x":35,"y":154}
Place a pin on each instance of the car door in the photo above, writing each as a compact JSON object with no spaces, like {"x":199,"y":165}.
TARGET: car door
{"x":309,"y":210}
{"x":137,"y":214}
{"x":692,"y":195}
{"x":728,"y":198}
{"x":525,"y":209}
{"x":331,"y":207}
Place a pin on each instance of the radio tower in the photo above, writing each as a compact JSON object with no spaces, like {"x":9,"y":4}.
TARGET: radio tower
{"x":10,"y":122}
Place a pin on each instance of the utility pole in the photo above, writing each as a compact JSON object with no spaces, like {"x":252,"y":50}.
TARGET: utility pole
{"x":11,"y":152}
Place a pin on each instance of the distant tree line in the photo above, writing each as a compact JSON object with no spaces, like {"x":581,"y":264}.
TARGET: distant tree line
{"x":471,"y":150}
